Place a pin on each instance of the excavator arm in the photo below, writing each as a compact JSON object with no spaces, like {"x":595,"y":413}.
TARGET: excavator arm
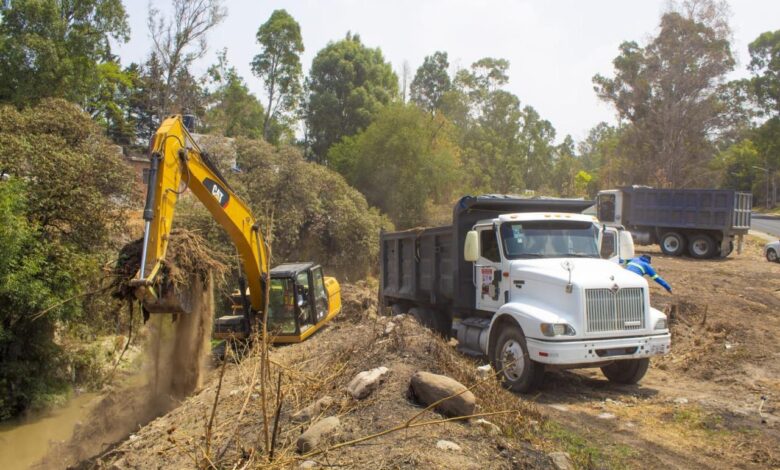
{"x":178,"y":163}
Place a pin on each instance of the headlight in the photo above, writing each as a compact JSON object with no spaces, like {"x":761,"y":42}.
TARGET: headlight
{"x":660,"y":324}
{"x":557,"y":329}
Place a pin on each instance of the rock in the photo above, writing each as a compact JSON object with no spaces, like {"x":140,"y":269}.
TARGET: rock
{"x":389,"y":328}
{"x":429,"y":388}
{"x":561,"y":460}
{"x":320,"y":431}
{"x":308,"y":464}
{"x":448,"y":445}
{"x":484,"y":371}
{"x":606,"y":416}
{"x":365,"y":382}
{"x":559,"y":407}
{"x":681,"y":401}
{"x":492,"y":429}
{"x":313,"y":410}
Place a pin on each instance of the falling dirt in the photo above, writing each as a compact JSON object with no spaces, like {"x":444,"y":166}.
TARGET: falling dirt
{"x":176,"y":362}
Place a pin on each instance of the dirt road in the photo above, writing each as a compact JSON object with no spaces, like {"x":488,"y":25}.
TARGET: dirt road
{"x":713,"y":402}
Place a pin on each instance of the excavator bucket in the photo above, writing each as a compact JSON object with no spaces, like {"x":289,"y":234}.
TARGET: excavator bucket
{"x":168,"y":300}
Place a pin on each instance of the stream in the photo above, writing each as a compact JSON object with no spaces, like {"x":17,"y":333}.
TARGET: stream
{"x":25,"y":441}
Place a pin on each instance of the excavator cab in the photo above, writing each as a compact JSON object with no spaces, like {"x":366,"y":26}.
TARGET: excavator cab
{"x":300,"y":302}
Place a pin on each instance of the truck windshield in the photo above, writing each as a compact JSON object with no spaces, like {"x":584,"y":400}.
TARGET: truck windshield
{"x":549,"y":239}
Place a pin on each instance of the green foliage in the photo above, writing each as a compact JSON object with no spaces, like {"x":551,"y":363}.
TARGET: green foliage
{"x":404,"y":162}
{"x":234,"y":111}
{"x":59,"y":211}
{"x":765,"y":65}
{"x":669,"y":94}
{"x":506,"y":147}
{"x":279,"y":66}
{"x":76,"y":178}
{"x":431,"y":82}
{"x":348,"y":85}
{"x":57,"y":48}
{"x":317,"y":216}
{"x":33,"y":275}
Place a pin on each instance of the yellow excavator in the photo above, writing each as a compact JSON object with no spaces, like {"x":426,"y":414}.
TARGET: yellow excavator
{"x":301,"y":299}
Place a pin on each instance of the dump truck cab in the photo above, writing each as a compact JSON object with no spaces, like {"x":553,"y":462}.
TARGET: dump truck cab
{"x":529,"y":284}
{"x":301,"y":300}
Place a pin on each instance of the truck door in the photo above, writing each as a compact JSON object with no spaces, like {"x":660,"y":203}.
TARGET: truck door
{"x":488,"y":271}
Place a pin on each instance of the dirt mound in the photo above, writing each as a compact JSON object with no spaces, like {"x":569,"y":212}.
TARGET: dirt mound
{"x":324,"y":365}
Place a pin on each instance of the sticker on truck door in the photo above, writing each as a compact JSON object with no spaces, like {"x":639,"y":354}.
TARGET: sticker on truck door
{"x":488,"y":283}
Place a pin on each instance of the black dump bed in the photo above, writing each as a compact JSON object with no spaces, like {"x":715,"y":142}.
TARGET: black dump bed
{"x":705,"y":209}
{"x":426,"y":266}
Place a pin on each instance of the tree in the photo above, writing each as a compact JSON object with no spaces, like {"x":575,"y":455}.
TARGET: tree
{"x":405,"y":162}
{"x":765,"y":88}
{"x":601,"y":157}
{"x":669,"y":93}
{"x":177,"y":43}
{"x":234,"y":111}
{"x":506,"y":147}
{"x":348,"y":85}
{"x":431,"y":82}
{"x":61,"y":208}
{"x":58,"y":48}
{"x":279,"y":66}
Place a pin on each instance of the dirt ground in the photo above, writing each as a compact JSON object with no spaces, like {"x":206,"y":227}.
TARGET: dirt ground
{"x":323,"y":365}
{"x":711,"y":403}
{"x":714,"y":402}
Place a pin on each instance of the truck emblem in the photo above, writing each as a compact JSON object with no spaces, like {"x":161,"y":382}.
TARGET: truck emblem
{"x":614,"y":289}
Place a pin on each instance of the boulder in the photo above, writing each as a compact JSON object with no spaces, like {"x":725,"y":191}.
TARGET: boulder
{"x":429,"y":388}
{"x":561,"y":461}
{"x":448,"y":445}
{"x":313,"y":410}
{"x":319,"y":432}
{"x":365,"y":382}
{"x":490,"y":428}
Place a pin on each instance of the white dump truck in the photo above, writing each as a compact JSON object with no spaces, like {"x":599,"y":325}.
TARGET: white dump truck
{"x":530,"y":284}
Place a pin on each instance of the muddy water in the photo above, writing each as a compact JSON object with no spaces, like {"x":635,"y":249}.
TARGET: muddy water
{"x":25,"y":442}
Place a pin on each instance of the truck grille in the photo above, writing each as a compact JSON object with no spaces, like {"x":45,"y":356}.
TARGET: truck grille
{"x":614,"y":311}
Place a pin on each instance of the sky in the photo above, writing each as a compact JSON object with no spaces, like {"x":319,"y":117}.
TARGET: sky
{"x":554,"y":47}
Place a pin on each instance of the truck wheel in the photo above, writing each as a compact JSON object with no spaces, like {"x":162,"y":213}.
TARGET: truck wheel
{"x":729,"y":250}
{"x":672,"y":244}
{"x":517,"y":371}
{"x":701,"y":246}
{"x":771,"y":255}
{"x":629,"y":371}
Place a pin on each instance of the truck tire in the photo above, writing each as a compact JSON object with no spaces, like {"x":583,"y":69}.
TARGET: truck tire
{"x":628,"y":371}
{"x":517,"y":371}
{"x":701,"y":246}
{"x":771,"y":255}
{"x":729,"y":250}
{"x":672,"y":243}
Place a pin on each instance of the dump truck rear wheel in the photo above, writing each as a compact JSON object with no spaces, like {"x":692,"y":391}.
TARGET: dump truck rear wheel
{"x":672,"y":244}
{"x":517,"y":371}
{"x":701,"y":246}
{"x":629,"y":371}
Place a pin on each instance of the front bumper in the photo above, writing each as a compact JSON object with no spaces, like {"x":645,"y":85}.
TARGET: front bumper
{"x":600,"y":350}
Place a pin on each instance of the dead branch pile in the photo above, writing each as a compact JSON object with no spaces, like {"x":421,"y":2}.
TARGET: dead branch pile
{"x":188,"y":254}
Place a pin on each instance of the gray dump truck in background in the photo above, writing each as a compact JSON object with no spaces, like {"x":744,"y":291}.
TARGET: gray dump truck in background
{"x":528,"y":283}
{"x":704,"y":223}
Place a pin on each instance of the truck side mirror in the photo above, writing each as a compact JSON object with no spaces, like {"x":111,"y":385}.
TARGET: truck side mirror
{"x":626,"y":245}
{"x":471,"y":247}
